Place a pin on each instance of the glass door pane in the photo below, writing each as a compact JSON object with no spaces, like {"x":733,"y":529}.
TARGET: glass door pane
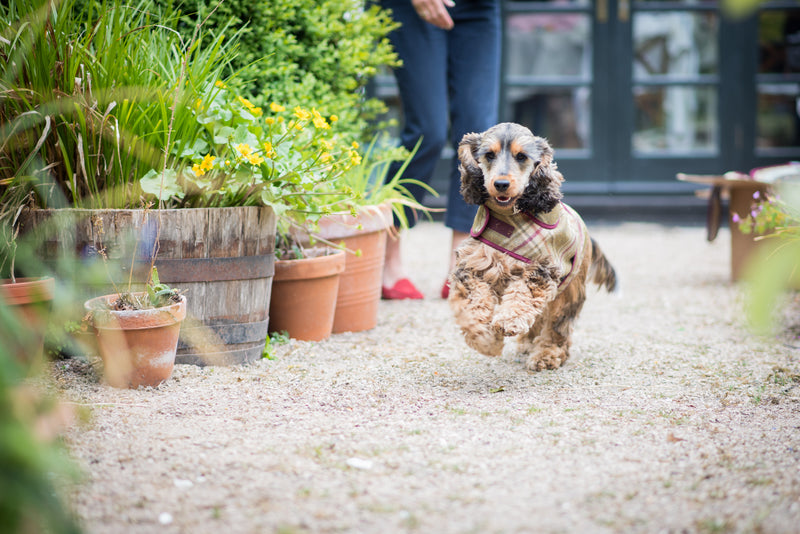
{"x":778,"y":82}
{"x":549,"y":80}
{"x":675,"y":59}
{"x":674,"y":79}
{"x":548,"y":71}
{"x":675,"y":120}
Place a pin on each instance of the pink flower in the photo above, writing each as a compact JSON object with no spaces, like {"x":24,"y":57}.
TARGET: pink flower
{"x":735,"y":218}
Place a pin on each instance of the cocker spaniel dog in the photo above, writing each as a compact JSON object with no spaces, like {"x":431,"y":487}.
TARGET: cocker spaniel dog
{"x":524,"y":270}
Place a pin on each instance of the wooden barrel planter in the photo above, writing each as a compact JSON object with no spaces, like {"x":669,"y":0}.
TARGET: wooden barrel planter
{"x":221,"y":258}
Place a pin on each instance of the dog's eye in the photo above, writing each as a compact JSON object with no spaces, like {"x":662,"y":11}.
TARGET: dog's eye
{"x":520,"y":157}
{"x":490,"y":156}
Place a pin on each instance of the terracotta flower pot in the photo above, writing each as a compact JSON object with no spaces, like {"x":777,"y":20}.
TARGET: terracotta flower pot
{"x":137,"y":346}
{"x":30,"y":299}
{"x":304,"y":296}
{"x":360,"y":284}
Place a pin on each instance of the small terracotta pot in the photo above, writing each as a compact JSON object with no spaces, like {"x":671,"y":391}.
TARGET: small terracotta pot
{"x":137,"y":346}
{"x":30,"y":298}
{"x":303,"y":298}
{"x":360,"y":286}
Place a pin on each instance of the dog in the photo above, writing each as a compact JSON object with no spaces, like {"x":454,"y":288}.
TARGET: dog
{"x":523,"y":271}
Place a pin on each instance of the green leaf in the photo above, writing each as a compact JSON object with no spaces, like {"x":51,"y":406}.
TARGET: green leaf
{"x":195,"y":151}
{"x":153,"y":184}
{"x":769,"y":274}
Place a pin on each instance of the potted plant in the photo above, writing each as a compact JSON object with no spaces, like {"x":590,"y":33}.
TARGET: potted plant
{"x":304,"y":292}
{"x":107,"y":122}
{"x":85,"y":121}
{"x":137,"y":333}
{"x":373,"y":203}
{"x":290,"y":160}
{"x":29,"y":299}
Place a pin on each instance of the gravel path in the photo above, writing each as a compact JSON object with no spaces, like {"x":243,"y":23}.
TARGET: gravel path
{"x":669,"y":417}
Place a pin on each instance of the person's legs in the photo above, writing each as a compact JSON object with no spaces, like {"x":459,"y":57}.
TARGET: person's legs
{"x":473,"y":86}
{"x":422,"y":82}
{"x":474,"y":91}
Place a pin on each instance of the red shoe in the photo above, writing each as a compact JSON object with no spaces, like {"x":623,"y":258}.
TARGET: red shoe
{"x":446,"y":289}
{"x":403,"y":289}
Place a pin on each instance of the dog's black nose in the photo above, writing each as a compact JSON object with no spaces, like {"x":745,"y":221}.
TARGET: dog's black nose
{"x":501,"y":185}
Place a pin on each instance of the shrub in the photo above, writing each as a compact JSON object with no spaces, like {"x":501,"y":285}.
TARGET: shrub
{"x":317,"y":53}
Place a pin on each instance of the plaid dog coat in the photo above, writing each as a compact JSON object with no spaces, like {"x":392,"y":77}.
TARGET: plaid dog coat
{"x":558,"y":235}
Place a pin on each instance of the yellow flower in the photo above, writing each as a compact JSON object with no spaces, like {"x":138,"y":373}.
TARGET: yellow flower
{"x":249,"y":105}
{"x":325,"y":157}
{"x":255,"y":159}
{"x":319,"y":120}
{"x":269,"y":151}
{"x":355,"y":158}
{"x":270,"y":121}
{"x":334,"y":118}
{"x":220,"y":84}
{"x":355,"y":145}
{"x":244,"y":149}
{"x":208,"y":162}
{"x":276,"y":108}
{"x":301,"y":113}
{"x":326,"y":144}
{"x":198,"y":104}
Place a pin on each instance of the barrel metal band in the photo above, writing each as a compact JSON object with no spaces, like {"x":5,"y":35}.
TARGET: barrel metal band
{"x":215,"y":269}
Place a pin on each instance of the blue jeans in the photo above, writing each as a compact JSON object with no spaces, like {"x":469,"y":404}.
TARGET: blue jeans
{"x":449,"y":81}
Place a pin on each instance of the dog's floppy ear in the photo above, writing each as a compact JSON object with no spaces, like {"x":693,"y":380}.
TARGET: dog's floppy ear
{"x":543,"y":190}
{"x":472,"y":188}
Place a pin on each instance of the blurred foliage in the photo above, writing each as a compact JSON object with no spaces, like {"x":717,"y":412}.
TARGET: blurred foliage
{"x":34,"y":464}
{"x":775,"y":219}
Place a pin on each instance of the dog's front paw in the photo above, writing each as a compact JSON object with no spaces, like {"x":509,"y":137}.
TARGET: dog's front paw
{"x":547,"y":358}
{"x":511,"y":324}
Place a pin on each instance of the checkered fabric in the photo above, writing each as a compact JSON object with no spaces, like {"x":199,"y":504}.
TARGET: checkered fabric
{"x":558,"y":235}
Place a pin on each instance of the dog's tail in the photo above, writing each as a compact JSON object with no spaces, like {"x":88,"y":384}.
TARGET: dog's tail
{"x":602,"y":272}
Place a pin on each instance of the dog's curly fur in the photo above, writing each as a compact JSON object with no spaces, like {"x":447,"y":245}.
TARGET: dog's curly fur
{"x":492,"y":294}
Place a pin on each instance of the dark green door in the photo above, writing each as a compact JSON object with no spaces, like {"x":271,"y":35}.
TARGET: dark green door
{"x":632,"y":92}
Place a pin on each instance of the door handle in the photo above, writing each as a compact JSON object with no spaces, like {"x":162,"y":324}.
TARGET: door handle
{"x":624,"y":10}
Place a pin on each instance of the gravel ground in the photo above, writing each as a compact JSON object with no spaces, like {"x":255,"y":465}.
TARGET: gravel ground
{"x":669,"y":417}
